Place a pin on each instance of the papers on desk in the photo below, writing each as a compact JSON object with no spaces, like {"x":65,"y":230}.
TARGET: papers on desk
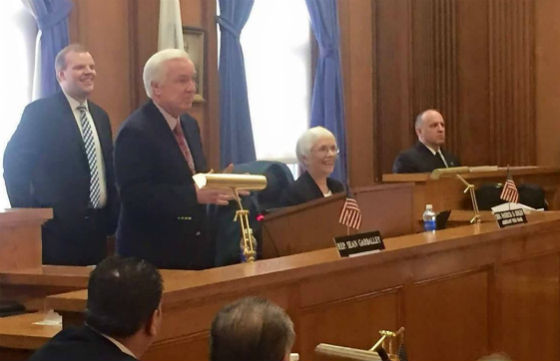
{"x":51,"y":319}
{"x":509,"y":206}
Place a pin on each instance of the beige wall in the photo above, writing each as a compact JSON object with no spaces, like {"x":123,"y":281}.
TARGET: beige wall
{"x":547,"y":54}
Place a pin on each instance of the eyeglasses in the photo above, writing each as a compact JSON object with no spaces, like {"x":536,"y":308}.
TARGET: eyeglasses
{"x":326,"y":149}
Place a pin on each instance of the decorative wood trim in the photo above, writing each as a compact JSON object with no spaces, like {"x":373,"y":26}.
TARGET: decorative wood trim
{"x":512,"y":81}
{"x":133,"y":51}
{"x":211,"y":118}
{"x":445,"y":68}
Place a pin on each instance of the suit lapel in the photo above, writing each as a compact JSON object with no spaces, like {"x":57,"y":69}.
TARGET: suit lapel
{"x":161,"y":127}
{"x":70,"y":127}
{"x":102,"y":133}
{"x":431,"y":159}
{"x":312,"y":186}
{"x":194,"y":146}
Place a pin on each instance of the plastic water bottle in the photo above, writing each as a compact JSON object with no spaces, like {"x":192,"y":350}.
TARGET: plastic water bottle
{"x":429,"y":218}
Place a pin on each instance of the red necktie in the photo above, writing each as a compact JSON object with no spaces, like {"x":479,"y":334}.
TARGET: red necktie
{"x":181,"y":140}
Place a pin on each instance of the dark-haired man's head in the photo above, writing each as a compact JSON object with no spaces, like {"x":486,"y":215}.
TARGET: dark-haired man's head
{"x":251,"y":329}
{"x":124,"y":301}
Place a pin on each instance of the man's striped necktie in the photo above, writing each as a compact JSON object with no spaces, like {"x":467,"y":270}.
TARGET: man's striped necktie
{"x":89,"y":143}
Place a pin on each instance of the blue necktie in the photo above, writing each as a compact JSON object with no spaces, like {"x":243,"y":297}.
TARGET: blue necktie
{"x":89,"y":143}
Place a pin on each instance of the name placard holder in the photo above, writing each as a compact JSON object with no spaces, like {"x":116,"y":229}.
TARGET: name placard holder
{"x":359,"y":244}
{"x":510,"y":217}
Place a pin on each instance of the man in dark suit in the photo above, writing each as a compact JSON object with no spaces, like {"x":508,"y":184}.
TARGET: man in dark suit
{"x":427,"y":154}
{"x":60,"y":157}
{"x":157,"y":151}
{"x":123,"y":315}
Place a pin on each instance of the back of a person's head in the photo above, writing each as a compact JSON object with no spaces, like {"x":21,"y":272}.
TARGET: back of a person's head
{"x":251,"y":329}
{"x":122,"y":295}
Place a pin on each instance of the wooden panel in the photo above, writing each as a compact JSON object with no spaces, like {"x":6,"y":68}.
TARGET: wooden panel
{"x":20,"y":239}
{"x":471,"y":59}
{"x":434,"y":309}
{"x":512,"y":110}
{"x":445,"y":66}
{"x":192,"y":348}
{"x":530,"y":284}
{"x":359,"y":69}
{"x":353,"y":322}
{"x":547,"y":50}
{"x":312,"y":226}
{"x":386,"y":209}
{"x":469,"y":124}
{"x":394,"y":117}
{"x":93,"y":23}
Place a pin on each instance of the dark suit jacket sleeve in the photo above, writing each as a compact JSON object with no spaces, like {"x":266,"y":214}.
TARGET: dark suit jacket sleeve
{"x":21,"y":155}
{"x":144,"y":190}
{"x":404,"y":164}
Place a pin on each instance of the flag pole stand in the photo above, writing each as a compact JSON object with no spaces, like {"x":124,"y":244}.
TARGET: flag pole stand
{"x":470,"y":188}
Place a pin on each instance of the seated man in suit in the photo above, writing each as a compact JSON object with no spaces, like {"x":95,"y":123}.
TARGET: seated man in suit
{"x":427,"y":154}
{"x":123,"y":315}
{"x":251,"y":329}
{"x":157,"y":151}
{"x":317,"y":152}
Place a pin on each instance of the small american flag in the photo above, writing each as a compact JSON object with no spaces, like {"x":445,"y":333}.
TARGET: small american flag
{"x":509,"y":192}
{"x":350,"y":215}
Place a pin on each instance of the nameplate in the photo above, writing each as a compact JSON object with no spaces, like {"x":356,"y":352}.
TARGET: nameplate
{"x":510,"y":218}
{"x":359,"y":244}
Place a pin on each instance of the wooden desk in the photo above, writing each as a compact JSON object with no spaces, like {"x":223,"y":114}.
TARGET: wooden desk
{"x":31,"y":286}
{"x":313,"y":225}
{"x":19,"y":336}
{"x":20,"y":238}
{"x":461,"y":293}
{"x":447,"y":192}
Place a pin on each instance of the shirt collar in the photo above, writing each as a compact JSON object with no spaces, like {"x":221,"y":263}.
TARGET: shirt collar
{"x":170,"y":119}
{"x":73,"y":102}
{"x":120,"y":346}
{"x":434,"y":151}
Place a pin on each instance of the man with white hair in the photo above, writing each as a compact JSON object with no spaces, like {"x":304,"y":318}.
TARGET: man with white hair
{"x":157,"y":151}
{"x":428,"y":153}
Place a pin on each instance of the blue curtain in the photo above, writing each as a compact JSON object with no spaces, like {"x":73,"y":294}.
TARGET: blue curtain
{"x":236,"y":133}
{"x":52,"y":20}
{"x":327,"y":106}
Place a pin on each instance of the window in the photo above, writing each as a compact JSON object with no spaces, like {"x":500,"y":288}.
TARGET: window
{"x":17,"y":38}
{"x":276,"y":45}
